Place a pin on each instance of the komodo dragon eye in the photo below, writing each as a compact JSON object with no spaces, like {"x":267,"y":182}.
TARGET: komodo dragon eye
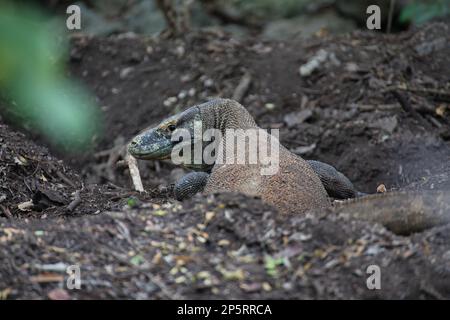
{"x":172,"y":127}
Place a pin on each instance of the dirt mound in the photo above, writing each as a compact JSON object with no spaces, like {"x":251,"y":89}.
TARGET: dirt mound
{"x":33,"y":183}
{"x":225,"y":246}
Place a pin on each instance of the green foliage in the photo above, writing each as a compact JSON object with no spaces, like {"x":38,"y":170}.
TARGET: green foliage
{"x":132,"y":202}
{"x":137,"y":260}
{"x":272,"y":264}
{"x":31,"y":75}
{"x":419,"y":12}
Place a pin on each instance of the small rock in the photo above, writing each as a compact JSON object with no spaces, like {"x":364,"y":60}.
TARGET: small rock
{"x":295,"y":118}
{"x":351,"y":67}
{"x":208,"y":83}
{"x":192,"y":92}
{"x":170,"y":101}
{"x":186,"y":78}
{"x":388,"y":124}
{"x":269,"y":106}
{"x":180,"y":51}
{"x":182,"y":95}
{"x":125,"y":72}
{"x":305,"y":149}
{"x":374,"y":250}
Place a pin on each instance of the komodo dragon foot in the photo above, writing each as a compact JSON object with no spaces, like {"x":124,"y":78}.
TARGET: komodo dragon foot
{"x":336,"y":184}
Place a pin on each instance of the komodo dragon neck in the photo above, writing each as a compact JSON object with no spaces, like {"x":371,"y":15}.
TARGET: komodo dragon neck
{"x":225,"y":114}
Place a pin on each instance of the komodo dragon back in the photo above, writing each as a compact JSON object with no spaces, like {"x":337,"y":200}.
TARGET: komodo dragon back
{"x":294,"y":188}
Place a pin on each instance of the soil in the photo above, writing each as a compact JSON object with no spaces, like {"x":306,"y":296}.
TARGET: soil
{"x":371,"y":110}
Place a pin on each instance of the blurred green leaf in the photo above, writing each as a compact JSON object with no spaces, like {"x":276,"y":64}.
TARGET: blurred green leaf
{"x":32,"y":50}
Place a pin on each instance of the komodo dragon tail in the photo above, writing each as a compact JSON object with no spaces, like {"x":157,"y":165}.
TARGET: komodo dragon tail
{"x":402,"y":212}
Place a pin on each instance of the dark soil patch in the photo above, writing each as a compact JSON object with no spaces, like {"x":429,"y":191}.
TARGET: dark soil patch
{"x":229,"y":245}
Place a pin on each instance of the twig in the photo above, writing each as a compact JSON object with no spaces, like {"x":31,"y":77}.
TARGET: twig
{"x":437,"y":94}
{"x":65,"y":179}
{"x":113,"y":156}
{"x":75,"y":202}
{"x":407,"y":108}
{"x":391,"y":15}
{"x":242,"y":88}
{"x":134,"y":172}
{"x":6,"y":211}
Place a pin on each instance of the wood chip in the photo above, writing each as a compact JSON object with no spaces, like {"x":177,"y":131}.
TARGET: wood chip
{"x":134,"y":172}
{"x":381,"y":188}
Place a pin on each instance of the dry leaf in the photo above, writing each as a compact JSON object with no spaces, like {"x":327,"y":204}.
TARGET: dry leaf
{"x":381,"y":188}
{"x":440,"y":110}
{"x":58,"y":294}
{"x":25,"y":206}
{"x":47,"y":277}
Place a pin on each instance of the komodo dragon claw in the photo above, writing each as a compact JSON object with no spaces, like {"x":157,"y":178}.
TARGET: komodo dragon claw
{"x":190,"y":184}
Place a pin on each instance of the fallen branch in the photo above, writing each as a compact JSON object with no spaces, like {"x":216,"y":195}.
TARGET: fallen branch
{"x":65,"y":179}
{"x":242,"y":88}
{"x":436,"y":93}
{"x":75,"y":202}
{"x":6,"y":211}
{"x":409,"y":109}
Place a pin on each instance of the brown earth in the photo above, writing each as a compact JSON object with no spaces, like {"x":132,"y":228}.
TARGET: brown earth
{"x":132,"y":245}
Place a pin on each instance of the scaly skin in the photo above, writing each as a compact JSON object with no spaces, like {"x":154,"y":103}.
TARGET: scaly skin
{"x":402,"y":212}
{"x":297,"y":187}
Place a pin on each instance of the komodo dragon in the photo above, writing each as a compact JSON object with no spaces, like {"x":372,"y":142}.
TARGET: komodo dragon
{"x":298,"y":185}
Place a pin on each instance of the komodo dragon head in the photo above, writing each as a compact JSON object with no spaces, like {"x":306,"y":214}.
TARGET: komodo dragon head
{"x":157,"y":143}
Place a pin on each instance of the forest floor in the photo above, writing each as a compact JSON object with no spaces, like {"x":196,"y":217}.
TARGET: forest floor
{"x":131,"y":245}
